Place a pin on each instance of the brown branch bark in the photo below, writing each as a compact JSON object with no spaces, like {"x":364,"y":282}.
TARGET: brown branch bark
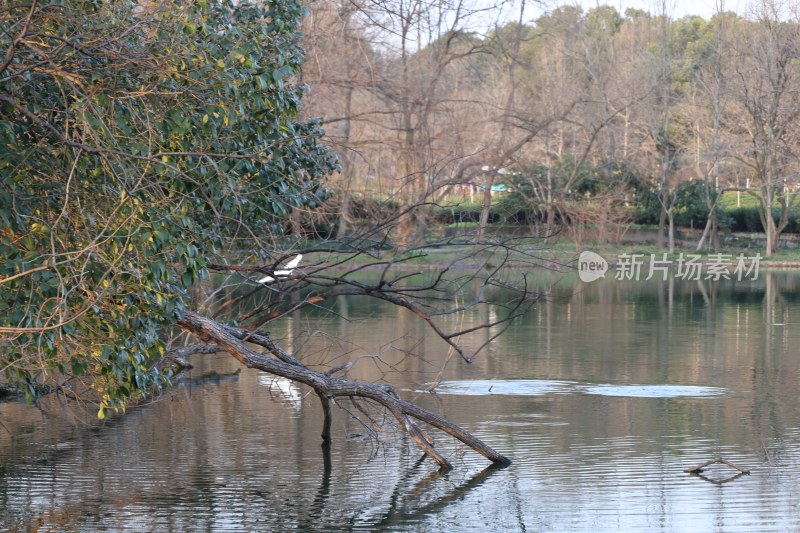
{"x":326,"y":409}
{"x":700,"y":467}
{"x":330,"y":387}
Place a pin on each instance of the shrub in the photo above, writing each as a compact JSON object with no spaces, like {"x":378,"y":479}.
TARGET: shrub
{"x":514,"y":209}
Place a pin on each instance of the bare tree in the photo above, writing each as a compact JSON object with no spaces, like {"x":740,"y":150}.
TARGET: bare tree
{"x":340,"y":67}
{"x":593,"y":90}
{"x":767,"y":90}
{"x":439,"y":102}
{"x":661,"y":127}
{"x":711,"y":79}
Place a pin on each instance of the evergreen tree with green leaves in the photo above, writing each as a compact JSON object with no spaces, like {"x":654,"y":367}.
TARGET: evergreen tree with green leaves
{"x":139,"y":141}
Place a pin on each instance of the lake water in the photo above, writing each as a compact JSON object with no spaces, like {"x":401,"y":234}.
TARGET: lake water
{"x":602,"y":397}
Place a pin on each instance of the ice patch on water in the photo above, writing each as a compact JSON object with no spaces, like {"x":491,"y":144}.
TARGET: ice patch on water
{"x":540,"y":387}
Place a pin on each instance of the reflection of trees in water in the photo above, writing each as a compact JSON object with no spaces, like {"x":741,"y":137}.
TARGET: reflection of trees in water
{"x":773,"y":367}
{"x":689,"y":332}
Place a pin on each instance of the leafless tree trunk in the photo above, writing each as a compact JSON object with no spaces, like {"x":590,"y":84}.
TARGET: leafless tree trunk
{"x":768,"y":92}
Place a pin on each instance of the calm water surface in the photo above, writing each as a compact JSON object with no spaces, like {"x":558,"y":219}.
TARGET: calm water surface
{"x":602,"y":397}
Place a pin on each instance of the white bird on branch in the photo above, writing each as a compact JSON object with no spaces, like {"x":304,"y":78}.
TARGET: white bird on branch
{"x":280,"y":274}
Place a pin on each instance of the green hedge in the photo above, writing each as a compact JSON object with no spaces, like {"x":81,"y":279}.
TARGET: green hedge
{"x":690,"y":212}
{"x":508,"y":209}
{"x":747,"y":219}
{"x":513,"y":209}
{"x":463,"y":213}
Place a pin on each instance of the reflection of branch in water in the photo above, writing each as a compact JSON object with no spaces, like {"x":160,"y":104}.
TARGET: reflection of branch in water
{"x":314,"y":514}
{"x":395,"y":514}
{"x":375,"y":428}
{"x":699,"y":468}
{"x":720,"y":481}
{"x":402,"y":483}
{"x":698,"y":471}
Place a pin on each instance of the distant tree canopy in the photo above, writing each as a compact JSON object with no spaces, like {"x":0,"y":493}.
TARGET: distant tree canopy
{"x":139,"y":140}
{"x":440,"y":96}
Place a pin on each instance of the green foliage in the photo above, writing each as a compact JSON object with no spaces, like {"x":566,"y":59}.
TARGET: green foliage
{"x":646,"y":206}
{"x":690,"y":208}
{"x":149,"y":143}
{"x":463,"y":213}
{"x":571,"y":178}
{"x":740,"y":213}
{"x":744,"y":219}
{"x":734,"y":199}
{"x":514,"y":209}
{"x":509,"y":208}
{"x":747,"y":219}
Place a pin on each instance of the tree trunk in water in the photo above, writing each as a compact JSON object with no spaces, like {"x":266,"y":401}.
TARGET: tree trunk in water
{"x":772,"y":240}
{"x":662,"y":222}
{"x":328,"y":388}
{"x":602,"y":225}
{"x":601,"y":237}
{"x":577,"y":225}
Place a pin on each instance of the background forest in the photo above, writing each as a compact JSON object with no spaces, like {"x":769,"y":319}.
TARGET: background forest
{"x":587,"y":119}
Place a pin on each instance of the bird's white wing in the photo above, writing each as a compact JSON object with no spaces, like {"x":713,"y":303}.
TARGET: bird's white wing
{"x":289,"y":267}
{"x":293,"y":263}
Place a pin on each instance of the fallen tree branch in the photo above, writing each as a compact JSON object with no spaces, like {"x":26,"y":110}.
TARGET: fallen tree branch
{"x":328,"y":387}
{"x":699,"y":468}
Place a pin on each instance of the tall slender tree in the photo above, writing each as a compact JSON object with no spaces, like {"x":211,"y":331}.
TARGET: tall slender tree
{"x":767,"y":91}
